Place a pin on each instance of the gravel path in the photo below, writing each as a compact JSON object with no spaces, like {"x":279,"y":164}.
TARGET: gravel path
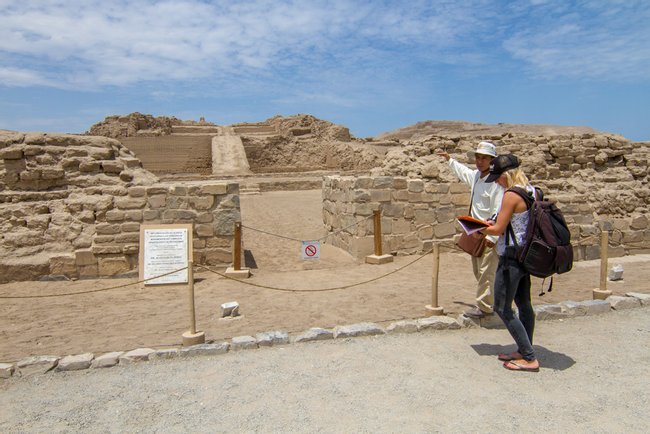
{"x":594,"y":378}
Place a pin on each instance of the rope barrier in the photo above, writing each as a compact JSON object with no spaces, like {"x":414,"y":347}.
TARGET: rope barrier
{"x":450,"y":246}
{"x":92,"y":290}
{"x":312,"y":239}
{"x":273,"y":288}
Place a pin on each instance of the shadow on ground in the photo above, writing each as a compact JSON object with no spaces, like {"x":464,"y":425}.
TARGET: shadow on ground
{"x":548,"y":359}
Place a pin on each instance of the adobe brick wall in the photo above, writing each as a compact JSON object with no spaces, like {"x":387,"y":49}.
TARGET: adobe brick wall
{"x":73,"y":205}
{"x":416,"y":211}
{"x":174,"y":153}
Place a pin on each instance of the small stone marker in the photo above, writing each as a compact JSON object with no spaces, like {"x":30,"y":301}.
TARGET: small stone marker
{"x":230,"y":309}
{"x":616,"y":273}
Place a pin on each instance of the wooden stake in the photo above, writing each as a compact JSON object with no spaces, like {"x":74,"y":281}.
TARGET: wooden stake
{"x":434,"y":309}
{"x":190,"y":278}
{"x":192,"y":337}
{"x":434,"y":275}
{"x":236,"y":251}
{"x":601,"y":293}
{"x":604,"y":242}
{"x":377,"y":224}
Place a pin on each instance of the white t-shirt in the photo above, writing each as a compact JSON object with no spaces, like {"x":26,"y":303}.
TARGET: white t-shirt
{"x":486,"y":196}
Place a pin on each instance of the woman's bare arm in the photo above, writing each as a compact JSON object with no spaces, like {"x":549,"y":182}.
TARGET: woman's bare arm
{"x":508,"y":205}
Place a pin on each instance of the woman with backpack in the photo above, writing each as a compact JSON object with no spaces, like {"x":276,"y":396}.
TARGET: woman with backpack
{"x":512,"y":280}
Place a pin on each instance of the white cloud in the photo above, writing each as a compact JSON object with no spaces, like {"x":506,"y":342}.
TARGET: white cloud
{"x":21,"y":77}
{"x":607,"y":40}
{"x":95,"y":43}
{"x":120,"y":42}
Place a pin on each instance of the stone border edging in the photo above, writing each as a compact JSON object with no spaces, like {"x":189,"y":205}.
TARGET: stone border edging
{"x":566,"y":309}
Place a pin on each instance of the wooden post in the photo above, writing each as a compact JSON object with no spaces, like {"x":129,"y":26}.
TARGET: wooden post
{"x":236,"y":251}
{"x":190,"y":278}
{"x":378,"y":257}
{"x":601,"y":293}
{"x":604,"y":241}
{"x":434,"y":309}
{"x":192,"y":337}
{"x":377,"y":225}
{"x":236,"y":270}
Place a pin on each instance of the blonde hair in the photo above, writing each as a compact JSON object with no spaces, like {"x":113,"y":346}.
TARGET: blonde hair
{"x":516,"y":177}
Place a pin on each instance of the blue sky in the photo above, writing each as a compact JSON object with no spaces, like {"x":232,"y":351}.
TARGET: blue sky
{"x":372,"y":66}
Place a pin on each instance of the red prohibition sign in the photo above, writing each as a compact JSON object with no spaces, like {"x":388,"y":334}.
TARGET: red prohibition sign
{"x":310,"y":250}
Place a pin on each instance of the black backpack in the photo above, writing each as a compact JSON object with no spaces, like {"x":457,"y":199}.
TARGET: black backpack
{"x":548,"y":249}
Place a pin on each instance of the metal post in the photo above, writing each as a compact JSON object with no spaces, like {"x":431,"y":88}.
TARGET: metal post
{"x":377,"y":225}
{"x":236,"y":251}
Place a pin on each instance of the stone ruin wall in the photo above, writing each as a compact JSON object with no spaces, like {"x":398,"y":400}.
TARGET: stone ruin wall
{"x":173,"y":154}
{"x":73,"y":205}
{"x":599,"y":182}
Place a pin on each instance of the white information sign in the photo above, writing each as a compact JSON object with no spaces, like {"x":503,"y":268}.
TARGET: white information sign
{"x":311,"y":250}
{"x":165,"y":250}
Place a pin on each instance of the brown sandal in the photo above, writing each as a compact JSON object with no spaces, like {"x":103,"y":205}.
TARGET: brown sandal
{"x":520,"y":365}
{"x":508,"y":357}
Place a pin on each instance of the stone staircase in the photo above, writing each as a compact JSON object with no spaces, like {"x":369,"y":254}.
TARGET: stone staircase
{"x":228,"y":154}
{"x":249,"y":189}
{"x":195,"y":129}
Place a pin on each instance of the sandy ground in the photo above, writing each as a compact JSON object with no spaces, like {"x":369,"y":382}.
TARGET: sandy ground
{"x":593,"y":378}
{"x":155,"y":317}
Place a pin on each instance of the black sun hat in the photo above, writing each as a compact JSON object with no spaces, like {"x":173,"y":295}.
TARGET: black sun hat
{"x":502,"y":164}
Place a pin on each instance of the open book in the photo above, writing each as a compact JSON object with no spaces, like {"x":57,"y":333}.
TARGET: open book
{"x":470,"y":224}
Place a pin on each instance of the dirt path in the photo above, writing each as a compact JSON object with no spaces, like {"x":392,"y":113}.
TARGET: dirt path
{"x":446,"y":381}
{"x":130,"y":317}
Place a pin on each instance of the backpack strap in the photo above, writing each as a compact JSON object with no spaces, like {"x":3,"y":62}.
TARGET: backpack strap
{"x":526,"y":196}
{"x":529,"y":199}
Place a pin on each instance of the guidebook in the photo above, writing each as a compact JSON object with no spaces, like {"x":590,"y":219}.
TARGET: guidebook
{"x":470,"y":224}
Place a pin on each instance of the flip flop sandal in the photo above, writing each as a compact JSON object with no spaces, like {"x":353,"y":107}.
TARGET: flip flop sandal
{"x":509,"y":357}
{"x":514,"y":366}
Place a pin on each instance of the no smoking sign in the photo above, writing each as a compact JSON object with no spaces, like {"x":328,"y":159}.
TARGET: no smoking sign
{"x":310,"y":250}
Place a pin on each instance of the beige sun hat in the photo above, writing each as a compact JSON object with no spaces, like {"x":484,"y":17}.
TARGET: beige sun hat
{"x":486,"y":148}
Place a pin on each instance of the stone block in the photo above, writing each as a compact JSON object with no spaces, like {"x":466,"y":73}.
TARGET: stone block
{"x":75,"y":363}
{"x":243,"y":343}
{"x":380,"y":195}
{"x":315,"y":334}
{"x":276,"y":337}
{"x":205,"y":349}
{"x":157,"y":201}
{"x":572,"y":308}
{"x":112,"y":266}
{"x":550,"y":311}
{"x":360,"y":329}
{"x":444,"y":230}
{"x":229,"y":309}
{"x":438,"y":323}
{"x":36,"y":365}
{"x":621,"y":303}
{"x":644,"y":299}
{"x":107,"y":360}
{"x":164,"y":354}
{"x":84,"y":257}
{"x":126,"y":203}
{"x":7,"y":370}
{"x":137,"y":355}
{"x":404,"y":326}
{"x":215,"y":189}
{"x":596,"y":307}
{"x":201,"y":202}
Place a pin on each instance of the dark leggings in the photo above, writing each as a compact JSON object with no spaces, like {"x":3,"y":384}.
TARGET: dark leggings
{"x":512,"y":283}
